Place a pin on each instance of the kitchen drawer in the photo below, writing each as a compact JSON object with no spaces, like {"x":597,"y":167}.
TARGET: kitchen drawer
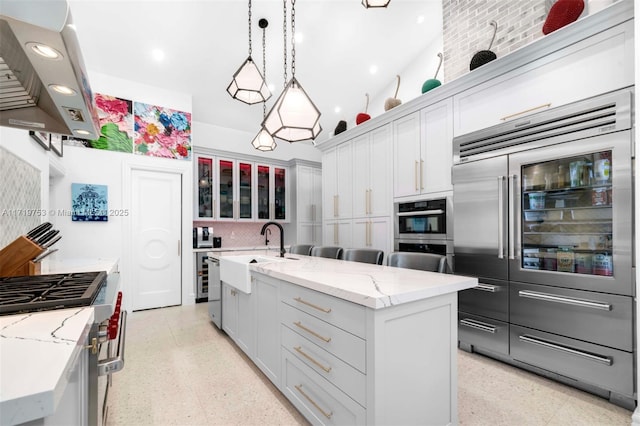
{"x":346,"y":315}
{"x":318,"y":400}
{"x":489,"y":299}
{"x":604,"y":367}
{"x":346,"y":346}
{"x":342,"y":375}
{"x":600,"y":318}
{"x":483,"y":332}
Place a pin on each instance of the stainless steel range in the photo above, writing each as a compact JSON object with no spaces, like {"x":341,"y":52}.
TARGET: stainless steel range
{"x":36,"y":293}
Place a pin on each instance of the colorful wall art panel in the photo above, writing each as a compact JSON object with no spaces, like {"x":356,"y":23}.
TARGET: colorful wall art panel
{"x":162,"y":132}
{"x":89,"y":202}
{"x":116,"y":124}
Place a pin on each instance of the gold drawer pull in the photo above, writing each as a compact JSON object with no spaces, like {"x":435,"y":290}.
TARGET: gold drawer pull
{"x":301,"y":300}
{"x":299,"y":324}
{"x":315,"y":404}
{"x":310,"y":358}
{"x":525,"y":111}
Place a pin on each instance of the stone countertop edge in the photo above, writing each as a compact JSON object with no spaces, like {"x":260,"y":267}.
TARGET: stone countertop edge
{"x":373,"y":286}
{"x":80,"y":265}
{"x":39,"y":352}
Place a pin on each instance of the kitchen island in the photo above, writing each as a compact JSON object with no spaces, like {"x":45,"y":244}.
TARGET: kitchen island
{"x":349,"y":342}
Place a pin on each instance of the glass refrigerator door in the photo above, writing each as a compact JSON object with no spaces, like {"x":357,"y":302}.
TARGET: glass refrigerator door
{"x":574,"y":217}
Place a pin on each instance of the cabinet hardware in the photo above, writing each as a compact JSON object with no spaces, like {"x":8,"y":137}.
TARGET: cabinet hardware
{"x":415,"y":175}
{"x":313,"y":333}
{"x":313,"y":212}
{"x":301,"y":300}
{"x":478,"y":325}
{"x":512,"y":212}
{"x":233,"y":292}
{"x":315,"y":404}
{"x":591,"y":357}
{"x":565,"y":300}
{"x":335,"y":206}
{"x":421,"y":172}
{"x":179,"y":248}
{"x":368,"y":239}
{"x":335,"y":233}
{"x":486,"y":287}
{"x":524,"y":112}
{"x":310,"y":358}
{"x":421,"y":212}
{"x":500,"y":218}
{"x":93,"y":346}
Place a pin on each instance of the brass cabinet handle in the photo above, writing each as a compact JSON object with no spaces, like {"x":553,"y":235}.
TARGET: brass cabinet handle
{"x":525,"y":111}
{"x":310,"y":358}
{"x":308,"y":330}
{"x":421,"y":171}
{"x":93,"y":346}
{"x":415,"y":175}
{"x":315,"y":404}
{"x":335,"y":233}
{"x":301,"y":300}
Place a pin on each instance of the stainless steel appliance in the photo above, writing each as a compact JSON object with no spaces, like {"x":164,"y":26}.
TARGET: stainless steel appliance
{"x":36,"y":293}
{"x":425,"y":226}
{"x":202,"y":277}
{"x":543,"y":217}
{"x":215,"y":291}
{"x":203,"y":237}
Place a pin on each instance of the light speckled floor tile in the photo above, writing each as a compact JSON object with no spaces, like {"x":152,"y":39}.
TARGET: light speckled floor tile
{"x":181,"y":370}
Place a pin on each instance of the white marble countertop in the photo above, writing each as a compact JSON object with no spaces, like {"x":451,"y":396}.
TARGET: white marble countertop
{"x":79,"y":265}
{"x":374,"y":286}
{"x":38,"y":353}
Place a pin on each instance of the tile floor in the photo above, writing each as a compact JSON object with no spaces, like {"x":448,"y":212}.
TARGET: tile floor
{"x":180,"y":370}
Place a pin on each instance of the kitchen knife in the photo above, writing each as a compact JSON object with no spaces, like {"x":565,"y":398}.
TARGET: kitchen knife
{"x":51,"y":242}
{"x":43,"y":255}
{"x":39,"y":230}
{"x":46,"y":237}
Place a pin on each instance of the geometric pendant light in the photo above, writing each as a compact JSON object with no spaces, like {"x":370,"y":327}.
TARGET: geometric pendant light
{"x":375,"y":3}
{"x":247,"y":84}
{"x":263,"y":140}
{"x":294,"y":117}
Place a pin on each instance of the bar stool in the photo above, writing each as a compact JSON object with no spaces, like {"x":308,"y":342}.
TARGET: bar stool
{"x":423,"y":261}
{"x":329,"y":252}
{"x":364,"y":255}
{"x":301,"y":249}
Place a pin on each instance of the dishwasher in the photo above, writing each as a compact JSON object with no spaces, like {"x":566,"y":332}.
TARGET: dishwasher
{"x":215,"y":291}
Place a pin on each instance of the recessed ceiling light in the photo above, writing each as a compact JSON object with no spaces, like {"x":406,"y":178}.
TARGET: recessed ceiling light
{"x":157,"y":54}
{"x":373,"y":69}
{"x":45,"y":51}
{"x":420,"y":19}
{"x":337,"y":109}
{"x":299,"y":38}
{"x":63,"y":90}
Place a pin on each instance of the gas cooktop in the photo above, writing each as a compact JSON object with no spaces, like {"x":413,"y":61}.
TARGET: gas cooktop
{"x":35,"y":293}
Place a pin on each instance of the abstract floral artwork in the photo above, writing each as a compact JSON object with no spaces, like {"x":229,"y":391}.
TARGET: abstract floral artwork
{"x":162,"y":132}
{"x":88,"y":202}
{"x":116,"y":124}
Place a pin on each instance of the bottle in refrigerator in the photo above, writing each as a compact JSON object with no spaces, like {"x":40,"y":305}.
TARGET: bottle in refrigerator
{"x":566,"y":259}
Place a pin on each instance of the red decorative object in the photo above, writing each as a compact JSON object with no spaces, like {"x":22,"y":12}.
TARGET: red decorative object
{"x":363,"y":116}
{"x":562,"y":13}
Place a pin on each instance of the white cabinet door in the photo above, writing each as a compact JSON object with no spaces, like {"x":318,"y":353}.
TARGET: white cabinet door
{"x":246,"y":327}
{"x":267,"y":354}
{"x":309,"y":194}
{"x":329,"y":183}
{"x":406,"y":155}
{"x":361,"y":174}
{"x":344,"y":163}
{"x":437,"y":147}
{"x":316,"y":190}
{"x":380,"y":176}
{"x":309,"y":233}
{"x":229,"y":310}
{"x":337,"y":233}
{"x":374,"y":233}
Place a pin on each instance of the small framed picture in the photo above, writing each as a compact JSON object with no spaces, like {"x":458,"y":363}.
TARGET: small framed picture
{"x":41,"y":137}
{"x":55,"y":142}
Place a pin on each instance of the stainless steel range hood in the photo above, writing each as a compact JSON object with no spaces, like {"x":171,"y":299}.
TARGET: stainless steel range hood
{"x":50,"y":94}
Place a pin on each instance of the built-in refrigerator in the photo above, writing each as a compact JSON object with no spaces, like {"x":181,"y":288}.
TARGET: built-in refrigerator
{"x":543,"y":209}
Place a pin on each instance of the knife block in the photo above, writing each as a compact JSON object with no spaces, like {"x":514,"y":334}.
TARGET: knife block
{"x":15,"y":259}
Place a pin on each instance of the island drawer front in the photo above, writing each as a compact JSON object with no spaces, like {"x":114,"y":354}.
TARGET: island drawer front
{"x":483,"y":332}
{"x":593,"y":364}
{"x":342,"y":375}
{"x":341,"y":313}
{"x":346,"y":346}
{"x":489,"y":299}
{"x":577,"y":314}
{"x":317,"y":399}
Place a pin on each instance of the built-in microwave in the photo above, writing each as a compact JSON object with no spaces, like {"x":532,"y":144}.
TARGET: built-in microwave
{"x":425,"y":219}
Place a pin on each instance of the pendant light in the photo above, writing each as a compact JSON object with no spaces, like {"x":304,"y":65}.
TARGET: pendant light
{"x":263,"y":140}
{"x":293,"y":117}
{"x":247,"y":84}
{"x":375,"y":3}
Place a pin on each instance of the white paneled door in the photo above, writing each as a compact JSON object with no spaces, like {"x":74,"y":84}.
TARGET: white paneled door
{"x":156,"y":223}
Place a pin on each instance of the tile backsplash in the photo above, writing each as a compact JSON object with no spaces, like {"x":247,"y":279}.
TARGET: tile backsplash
{"x":237,"y":234}
{"x":20,"y":197}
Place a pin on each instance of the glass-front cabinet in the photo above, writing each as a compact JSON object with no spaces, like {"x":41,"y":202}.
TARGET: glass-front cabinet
{"x":567,"y":215}
{"x":272,"y":198}
{"x":235,"y":183}
{"x":205,"y":190}
{"x":264,"y":191}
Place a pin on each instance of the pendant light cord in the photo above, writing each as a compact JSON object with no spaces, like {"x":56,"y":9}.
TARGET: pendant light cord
{"x":284,"y":31}
{"x":250,"y":28}
{"x":264,"y":68}
{"x":293,"y":38}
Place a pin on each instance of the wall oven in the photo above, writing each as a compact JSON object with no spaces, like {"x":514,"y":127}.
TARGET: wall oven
{"x":424,"y":220}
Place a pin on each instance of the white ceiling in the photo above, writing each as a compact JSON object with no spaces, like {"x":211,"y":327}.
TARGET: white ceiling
{"x":206,"y":41}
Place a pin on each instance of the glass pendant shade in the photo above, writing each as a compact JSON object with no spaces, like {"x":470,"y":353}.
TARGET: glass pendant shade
{"x":263,"y":141}
{"x":375,"y":3}
{"x":293,"y":117}
{"x":248,"y":85}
